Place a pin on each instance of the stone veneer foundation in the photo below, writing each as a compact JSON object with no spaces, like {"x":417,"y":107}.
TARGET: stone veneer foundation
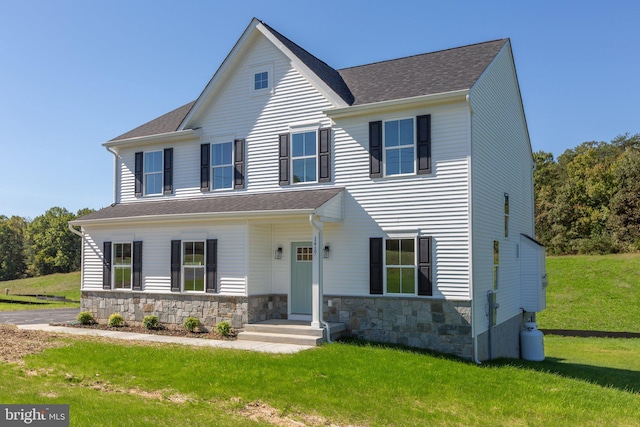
{"x":433,"y":324}
{"x":173,"y":309}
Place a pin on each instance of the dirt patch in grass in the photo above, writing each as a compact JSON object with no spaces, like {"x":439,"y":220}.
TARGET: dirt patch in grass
{"x":16,"y":343}
{"x":203,"y":333}
{"x":260,"y":411}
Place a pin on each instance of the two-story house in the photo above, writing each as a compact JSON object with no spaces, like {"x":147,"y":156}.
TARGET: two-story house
{"x":394,"y":198}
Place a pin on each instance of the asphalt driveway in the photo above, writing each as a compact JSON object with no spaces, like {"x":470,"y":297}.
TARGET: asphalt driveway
{"x":32,"y":317}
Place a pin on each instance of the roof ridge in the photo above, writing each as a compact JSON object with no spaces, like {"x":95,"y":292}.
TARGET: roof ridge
{"x":422,"y":54}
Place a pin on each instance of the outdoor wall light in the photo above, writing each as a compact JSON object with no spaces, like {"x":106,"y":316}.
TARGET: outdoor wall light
{"x":279,"y":252}
{"x":327,"y":249}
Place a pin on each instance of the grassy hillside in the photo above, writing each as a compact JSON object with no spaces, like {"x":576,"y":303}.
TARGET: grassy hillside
{"x":593,"y":293}
{"x":67,"y":285}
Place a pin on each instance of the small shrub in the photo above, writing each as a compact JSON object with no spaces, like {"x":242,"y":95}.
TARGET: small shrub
{"x":116,"y":320}
{"x":224,"y":328}
{"x":191,"y":323}
{"x":85,"y":318}
{"x":151,"y":322}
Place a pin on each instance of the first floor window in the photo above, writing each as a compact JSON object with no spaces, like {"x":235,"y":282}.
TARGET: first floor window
{"x":193,"y":266}
{"x":303,"y":156}
{"x":122,"y":266}
{"x":400,"y":262}
{"x":399,"y":147}
{"x":153,"y":173}
{"x":222,"y":165}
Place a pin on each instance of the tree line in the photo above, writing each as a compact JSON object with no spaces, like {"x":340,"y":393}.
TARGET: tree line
{"x":587,"y":201}
{"x":40,"y":246}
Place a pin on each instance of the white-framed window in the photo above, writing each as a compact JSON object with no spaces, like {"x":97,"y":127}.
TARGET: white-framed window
{"x":261,"y":80}
{"x":304,"y":156}
{"x":400,"y":266}
{"x":222,"y":165}
{"x":399,"y":147}
{"x":122,"y":266}
{"x":193,"y":266}
{"x":153,"y":179}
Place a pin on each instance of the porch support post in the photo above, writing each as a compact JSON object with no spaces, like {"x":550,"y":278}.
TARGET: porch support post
{"x":317,"y":268}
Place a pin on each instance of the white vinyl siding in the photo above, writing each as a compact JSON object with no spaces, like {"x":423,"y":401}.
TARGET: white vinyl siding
{"x":502,"y":163}
{"x":156,"y":267}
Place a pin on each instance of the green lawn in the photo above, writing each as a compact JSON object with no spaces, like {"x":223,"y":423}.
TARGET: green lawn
{"x":593,"y":293}
{"x":67,"y":285}
{"x":124,"y":384}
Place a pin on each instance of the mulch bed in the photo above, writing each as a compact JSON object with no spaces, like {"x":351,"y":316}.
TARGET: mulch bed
{"x":202,"y":333}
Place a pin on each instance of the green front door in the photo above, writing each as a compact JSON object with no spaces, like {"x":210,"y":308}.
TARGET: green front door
{"x":301,"y":262}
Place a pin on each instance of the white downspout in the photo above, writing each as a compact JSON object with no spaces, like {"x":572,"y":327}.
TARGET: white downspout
{"x":115,"y":173}
{"x":318,"y":296}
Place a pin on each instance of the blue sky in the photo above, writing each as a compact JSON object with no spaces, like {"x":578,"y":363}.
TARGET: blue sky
{"x":74,"y":74}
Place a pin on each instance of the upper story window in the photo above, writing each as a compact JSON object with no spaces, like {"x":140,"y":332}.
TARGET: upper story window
{"x":399,"y":147}
{"x":222,"y":165}
{"x":261,"y":80}
{"x":153,"y":173}
{"x":506,"y":214}
{"x":304,"y":156}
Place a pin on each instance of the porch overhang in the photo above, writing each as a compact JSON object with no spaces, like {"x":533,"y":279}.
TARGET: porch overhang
{"x":326,"y":203}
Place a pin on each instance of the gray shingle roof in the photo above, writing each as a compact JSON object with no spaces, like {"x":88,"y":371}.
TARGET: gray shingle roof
{"x":426,"y":74}
{"x":166,"y":123}
{"x":264,"y":202}
{"x":419,"y":75}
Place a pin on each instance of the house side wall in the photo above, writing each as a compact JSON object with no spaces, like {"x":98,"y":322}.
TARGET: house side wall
{"x":501,"y":163}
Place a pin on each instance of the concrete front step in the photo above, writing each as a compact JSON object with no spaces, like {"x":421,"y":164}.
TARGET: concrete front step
{"x":288,"y":332}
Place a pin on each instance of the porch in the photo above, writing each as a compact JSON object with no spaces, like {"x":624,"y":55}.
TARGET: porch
{"x":285,"y":331}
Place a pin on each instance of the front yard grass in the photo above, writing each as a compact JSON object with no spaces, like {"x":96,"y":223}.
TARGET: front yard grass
{"x":109,"y":383}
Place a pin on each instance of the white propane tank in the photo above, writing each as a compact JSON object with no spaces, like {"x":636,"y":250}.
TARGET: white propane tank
{"x":532,"y":343}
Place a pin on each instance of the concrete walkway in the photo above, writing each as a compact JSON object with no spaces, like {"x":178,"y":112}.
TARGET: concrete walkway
{"x":264,"y":347}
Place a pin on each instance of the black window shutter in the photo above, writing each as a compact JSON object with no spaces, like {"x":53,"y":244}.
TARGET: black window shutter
{"x":212,"y":265}
{"x":424,"y":144}
{"x":324,"y":154}
{"x":375,"y":266}
{"x":137,"y":266}
{"x":139,"y":173}
{"x":204,"y":167}
{"x":238,"y":163}
{"x":168,"y":170}
{"x":176,"y":246}
{"x":106,"y":265}
{"x":424,"y":266}
{"x":284,"y":158}
{"x":375,"y":149}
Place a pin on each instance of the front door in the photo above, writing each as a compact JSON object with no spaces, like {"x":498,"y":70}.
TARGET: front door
{"x":301,"y":263}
